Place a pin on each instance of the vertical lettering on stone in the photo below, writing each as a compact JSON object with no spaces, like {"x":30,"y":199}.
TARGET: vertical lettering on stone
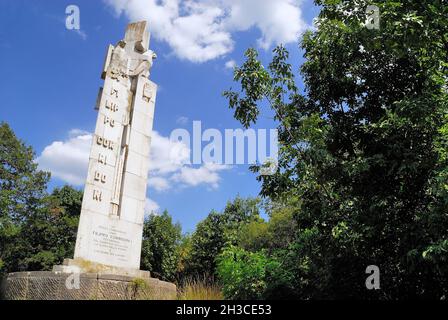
{"x":105,"y":143}
{"x":97,"y":195}
{"x":102,"y":159}
{"x":111,"y":106}
{"x":109,"y":121}
{"x":100,"y":177}
{"x":114,"y":93}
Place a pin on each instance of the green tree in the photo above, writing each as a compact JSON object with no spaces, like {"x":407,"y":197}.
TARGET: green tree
{"x":255,"y":236}
{"x":184,"y":250}
{"x":160,"y":246}
{"x":364,"y":150}
{"x":37,"y":230}
{"x":277,"y":233}
{"x":67,"y":200}
{"x":50,"y":234}
{"x":22,"y":188}
{"x":206,"y":243}
{"x":216,"y":231}
{"x":274,"y":240}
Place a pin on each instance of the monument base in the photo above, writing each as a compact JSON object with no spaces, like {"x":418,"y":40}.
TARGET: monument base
{"x":51,"y":285}
{"x":78,"y":265}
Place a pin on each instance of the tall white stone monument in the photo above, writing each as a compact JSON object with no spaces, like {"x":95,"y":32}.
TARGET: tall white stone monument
{"x":111,"y":222}
{"x":108,"y":245}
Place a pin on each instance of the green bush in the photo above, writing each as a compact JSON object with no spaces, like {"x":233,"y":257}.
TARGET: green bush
{"x":243,"y":274}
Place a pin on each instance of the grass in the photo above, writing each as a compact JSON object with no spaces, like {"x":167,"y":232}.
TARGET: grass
{"x":199,"y":290}
{"x":189,"y":289}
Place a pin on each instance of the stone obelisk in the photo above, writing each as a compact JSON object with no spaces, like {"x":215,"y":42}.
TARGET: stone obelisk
{"x":111,"y":223}
{"x":109,"y":239}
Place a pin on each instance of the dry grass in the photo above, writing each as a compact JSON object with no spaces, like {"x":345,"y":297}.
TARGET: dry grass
{"x":199,"y":290}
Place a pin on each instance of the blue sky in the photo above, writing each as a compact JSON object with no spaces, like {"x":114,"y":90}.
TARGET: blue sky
{"x":51,"y":78}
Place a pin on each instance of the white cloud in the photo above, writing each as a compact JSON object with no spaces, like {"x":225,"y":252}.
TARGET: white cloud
{"x":78,"y":132}
{"x":169,"y":162}
{"x":199,"y":31}
{"x":280,"y":21}
{"x":182,"y":120}
{"x":151,"y":207}
{"x":206,"y":174}
{"x":158,"y":183}
{"x":231,"y":64}
{"x":82,"y":34}
{"x":167,"y":156}
{"x":68,"y":160}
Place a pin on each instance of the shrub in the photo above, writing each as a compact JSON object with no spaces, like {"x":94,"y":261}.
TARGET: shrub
{"x":243,"y":274}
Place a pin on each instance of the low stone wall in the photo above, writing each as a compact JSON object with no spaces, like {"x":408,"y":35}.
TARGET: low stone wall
{"x":42,"y":285}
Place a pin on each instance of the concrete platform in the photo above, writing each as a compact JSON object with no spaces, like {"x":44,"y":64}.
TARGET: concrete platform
{"x":51,"y":285}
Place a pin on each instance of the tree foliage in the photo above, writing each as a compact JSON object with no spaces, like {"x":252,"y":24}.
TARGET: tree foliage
{"x":22,"y":187}
{"x":215,"y":232}
{"x":261,"y":264}
{"x":362,"y":148}
{"x":244,"y":274}
{"x":37,"y":230}
{"x":160,"y":246}
{"x":49,"y":236}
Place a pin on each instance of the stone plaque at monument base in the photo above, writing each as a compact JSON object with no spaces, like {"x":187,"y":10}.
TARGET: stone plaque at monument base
{"x":106,"y":263}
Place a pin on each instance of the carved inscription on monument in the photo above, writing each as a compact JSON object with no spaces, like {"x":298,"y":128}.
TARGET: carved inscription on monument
{"x":111,"y":223}
{"x":105,"y":143}
{"x":111,"y":106}
{"x":111,"y":241}
{"x":97,"y":195}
